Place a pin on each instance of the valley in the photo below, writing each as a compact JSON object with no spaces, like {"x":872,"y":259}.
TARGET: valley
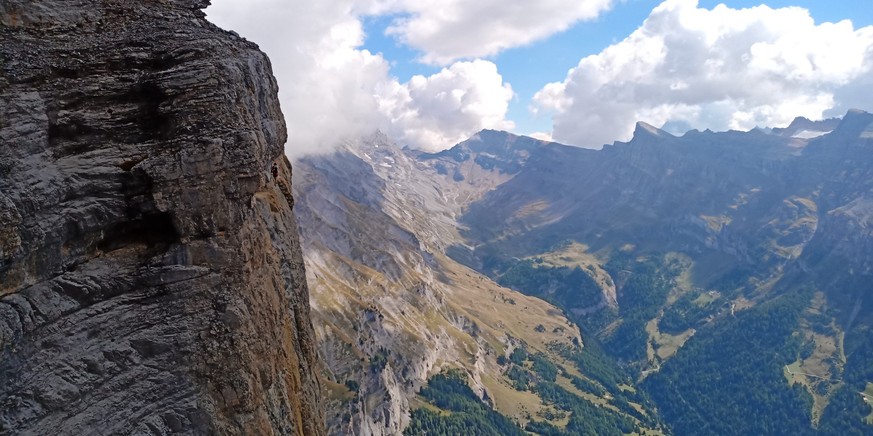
{"x":391,"y":310}
{"x":646,"y":287}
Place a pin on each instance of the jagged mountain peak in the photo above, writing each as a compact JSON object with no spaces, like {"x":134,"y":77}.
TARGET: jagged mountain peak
{"x":376,"y":139}
{"x":804,"y":128}
{"x":510,"y":141}
{"x":645,"y":130}
{"x":856,"y":123}
{"x":496,"y":150}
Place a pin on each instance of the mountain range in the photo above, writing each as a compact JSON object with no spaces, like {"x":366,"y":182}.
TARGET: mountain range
{"x":673,"y":262}
{"x":152,"y":280}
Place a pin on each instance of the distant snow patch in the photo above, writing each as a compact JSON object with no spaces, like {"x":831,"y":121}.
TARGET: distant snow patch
{"x":809,"y":134}
{"x":542,"y":136}
{"x":868,"y":132}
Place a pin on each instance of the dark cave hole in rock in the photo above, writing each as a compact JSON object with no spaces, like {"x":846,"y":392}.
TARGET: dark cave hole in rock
{"x":155,"y":230}
{"x":153,"y":123}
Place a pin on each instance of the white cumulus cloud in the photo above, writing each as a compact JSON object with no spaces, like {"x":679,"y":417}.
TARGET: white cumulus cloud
{"x":325,"y":82}
{"x":439,"y":111}
{"x":331,"y":89}
{"x":446,"y":30}
{"x":721,"y":69}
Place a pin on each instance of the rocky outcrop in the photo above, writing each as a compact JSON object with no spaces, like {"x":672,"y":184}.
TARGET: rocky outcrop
{"x":151,"y":280}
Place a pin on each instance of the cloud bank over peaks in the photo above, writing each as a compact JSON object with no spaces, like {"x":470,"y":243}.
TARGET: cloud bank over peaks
{"x":330,"y":89}
{"x":720,"y":69}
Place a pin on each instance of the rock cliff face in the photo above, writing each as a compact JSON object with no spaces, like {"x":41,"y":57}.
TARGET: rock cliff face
{"x":151,"y":280}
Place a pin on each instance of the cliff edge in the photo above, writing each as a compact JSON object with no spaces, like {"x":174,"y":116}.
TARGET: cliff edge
{"x":151,"y":278}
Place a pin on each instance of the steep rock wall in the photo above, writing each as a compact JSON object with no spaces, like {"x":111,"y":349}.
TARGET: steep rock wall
{"x":151,"y":279}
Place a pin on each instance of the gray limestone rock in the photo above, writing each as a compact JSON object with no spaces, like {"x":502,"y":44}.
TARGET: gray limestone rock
{"x":151,"y":279}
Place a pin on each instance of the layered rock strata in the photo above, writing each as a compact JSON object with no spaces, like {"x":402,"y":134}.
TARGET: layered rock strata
{"x":151,"y":279}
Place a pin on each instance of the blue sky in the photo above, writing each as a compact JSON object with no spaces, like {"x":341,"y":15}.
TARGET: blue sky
{"x":529,"y":67}
{"x":430,"y":73}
